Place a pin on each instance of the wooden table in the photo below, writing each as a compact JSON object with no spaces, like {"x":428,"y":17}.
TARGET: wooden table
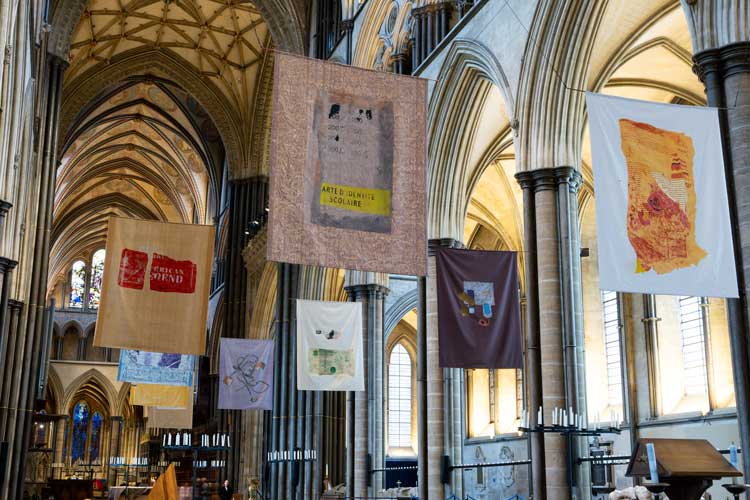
{"x":689,"y":465}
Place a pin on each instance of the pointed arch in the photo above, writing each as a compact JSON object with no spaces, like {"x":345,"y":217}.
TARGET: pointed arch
{"x":55,"y":387}
{"x":95,"y":380}
{"x":157,"y":64}
{"x":463,"y":87}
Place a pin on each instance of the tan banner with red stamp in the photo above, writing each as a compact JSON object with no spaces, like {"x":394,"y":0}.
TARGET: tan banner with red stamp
{"x":348,"y":162}
{"x":155,"y":286}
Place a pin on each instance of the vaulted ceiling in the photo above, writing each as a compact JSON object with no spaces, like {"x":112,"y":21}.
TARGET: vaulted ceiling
{"x":224,"y":41}
{"x":157,"y":96}
{"x":143,"y":150}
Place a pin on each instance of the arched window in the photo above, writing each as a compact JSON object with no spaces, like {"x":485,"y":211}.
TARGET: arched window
{"x":97,"y":270}
{"x":399,"y":398}
{"x":77,"y":284}
{"x":80,"y":432}
{"x":86,"y":435}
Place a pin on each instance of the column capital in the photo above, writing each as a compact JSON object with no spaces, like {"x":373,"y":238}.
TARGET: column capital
{"x":726,"y":61}
{"x":546,"y":179}
{"x":569,"y":176}
{"x":4,"y":207}
{"x":357,"y":292}
{"x":435,"y":243}
{"x":7,"y":264}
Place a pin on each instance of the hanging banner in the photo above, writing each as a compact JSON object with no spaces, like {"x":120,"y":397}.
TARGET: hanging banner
{"x":348,"y":156}
{"x":155,"y":286}
{"x":246,"y":374}
{"x":479,"y":312}
{"x":329,"y":346}
{"x":661,"y":203}
{"x":166,"y":418}
{"x":143,"y":367}
{"x":163,"y":396}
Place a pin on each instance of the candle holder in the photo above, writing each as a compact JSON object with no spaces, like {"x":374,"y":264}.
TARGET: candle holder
{"x":736,"y":489}
{"x":656,"y":488}
{"x":572,"y":430}
{"x":291,"y":456}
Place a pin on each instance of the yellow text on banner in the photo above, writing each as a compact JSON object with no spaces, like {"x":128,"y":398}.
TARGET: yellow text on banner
{"x":358,"y":199}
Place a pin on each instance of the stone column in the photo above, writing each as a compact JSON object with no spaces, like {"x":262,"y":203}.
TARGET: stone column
{"x":437,"y":420}
{"x":369,"y":289}
{"x":721,"y":40}
{"x":554,"y":315}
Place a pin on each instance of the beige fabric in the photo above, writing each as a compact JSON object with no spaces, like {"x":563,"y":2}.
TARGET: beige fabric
{"x":348,"y":155}
{"x":161,"y":418}
{"x":165,"y":487}
{"x":155,"y":286}
{"x":163,"y":396}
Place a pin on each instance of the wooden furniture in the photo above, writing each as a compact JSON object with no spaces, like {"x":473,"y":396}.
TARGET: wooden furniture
{"x":72,"y":489}
{"x":689,"y":465}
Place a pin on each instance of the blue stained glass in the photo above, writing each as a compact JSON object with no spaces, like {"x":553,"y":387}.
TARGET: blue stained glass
{"x":80,"y":427}
{"x":96,"y":436}
{"x":97,"y":270}
{"x":77,"y":284}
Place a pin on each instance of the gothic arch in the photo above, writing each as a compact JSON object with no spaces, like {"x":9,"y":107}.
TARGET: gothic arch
{"x":75,"y":326}
{"x":96,"y":378}
{"x":398,"y":310}
{"x":55,"y":386}
{"x":465,"y":81}
{"x":159,"y":64}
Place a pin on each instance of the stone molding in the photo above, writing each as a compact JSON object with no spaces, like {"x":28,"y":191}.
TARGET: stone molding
{"x":727,"y":61}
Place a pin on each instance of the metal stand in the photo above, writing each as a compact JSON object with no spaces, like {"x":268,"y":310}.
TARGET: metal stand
{"x":656,"y":488}
{"x":569,"y":431}
{"x":736,"y":489}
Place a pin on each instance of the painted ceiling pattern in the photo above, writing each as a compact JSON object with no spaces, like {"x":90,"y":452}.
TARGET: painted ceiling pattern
{"x":144,"y":147}
{"x":225,"y":41}
{"x":139,"y":154}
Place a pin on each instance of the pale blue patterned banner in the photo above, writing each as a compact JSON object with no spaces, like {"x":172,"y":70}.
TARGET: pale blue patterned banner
{"x":143,"y":367}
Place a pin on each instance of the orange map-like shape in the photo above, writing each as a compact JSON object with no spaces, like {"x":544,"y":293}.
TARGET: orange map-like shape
{"x":661,"y":197}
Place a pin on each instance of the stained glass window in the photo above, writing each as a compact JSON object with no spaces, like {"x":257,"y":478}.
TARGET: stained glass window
{"x":96,"y":435}
{"x":80,"y":430}
{"x":97,"y":269}
{"x":399,"y":398}
{"x":77,"y":283}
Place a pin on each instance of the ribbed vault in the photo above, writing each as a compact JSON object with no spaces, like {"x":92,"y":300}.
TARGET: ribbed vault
{"x":142,"y":149}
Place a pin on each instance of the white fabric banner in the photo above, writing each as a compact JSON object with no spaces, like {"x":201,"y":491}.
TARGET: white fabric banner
{"x":661,"y":204}
{"x":329,"y":346}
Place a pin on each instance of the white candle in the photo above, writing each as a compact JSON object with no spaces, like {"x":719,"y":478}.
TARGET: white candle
{"x":652,"y":462}
{"x":572,"y":417}
{"x":539,"y":417}
{"x":565,"y":419}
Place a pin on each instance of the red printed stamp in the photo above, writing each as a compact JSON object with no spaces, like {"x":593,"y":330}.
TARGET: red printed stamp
{"x":169,"y":275}
{"x":133,"y":266}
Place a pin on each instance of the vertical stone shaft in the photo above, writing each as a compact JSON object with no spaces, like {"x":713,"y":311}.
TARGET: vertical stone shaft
{"x":725,"y":72}
{"x":366,"y":289}
{"x":533,"y":352}
{"x":551,"y":339}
